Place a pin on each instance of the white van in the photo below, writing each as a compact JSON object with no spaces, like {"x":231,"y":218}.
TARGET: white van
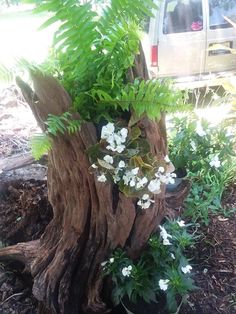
{"x":190,"y":41}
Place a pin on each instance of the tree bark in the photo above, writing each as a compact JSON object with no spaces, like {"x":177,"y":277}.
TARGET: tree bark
{"x":90,"y":219}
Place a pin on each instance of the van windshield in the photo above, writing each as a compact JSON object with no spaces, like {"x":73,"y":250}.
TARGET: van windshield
{"x":220,"y":8}
{"x":182,"y":16}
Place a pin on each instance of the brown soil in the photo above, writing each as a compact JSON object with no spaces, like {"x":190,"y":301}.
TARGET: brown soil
{"x":215,"y":264}
{"x":24,"y":210}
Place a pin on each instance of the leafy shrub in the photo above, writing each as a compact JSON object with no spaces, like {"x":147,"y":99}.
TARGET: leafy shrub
{"x":207,"y":154}
{"x":161,"y":269}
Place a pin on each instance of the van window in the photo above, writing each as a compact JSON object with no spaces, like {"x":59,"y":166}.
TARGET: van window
{"x":182,"y":16}
{"x":220,"y":8}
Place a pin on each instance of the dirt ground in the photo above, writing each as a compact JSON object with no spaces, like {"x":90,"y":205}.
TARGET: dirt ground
{"x":25,"y":212}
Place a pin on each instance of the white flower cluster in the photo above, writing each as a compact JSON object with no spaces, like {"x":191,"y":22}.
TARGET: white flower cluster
{"x":126,"y":271}
{"x":215,"y":162}
{"x":115,"y":140}
{"x":131,"y":177}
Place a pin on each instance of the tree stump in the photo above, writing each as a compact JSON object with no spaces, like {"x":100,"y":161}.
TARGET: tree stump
{"x":90,"y":219}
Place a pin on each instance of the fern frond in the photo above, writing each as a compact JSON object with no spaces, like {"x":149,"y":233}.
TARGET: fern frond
{"x":75,"y":35}
{"x":61,"y":124}
{"x":40,"y":144}
{"x":134,"y":11}
{"x":144,"y":97}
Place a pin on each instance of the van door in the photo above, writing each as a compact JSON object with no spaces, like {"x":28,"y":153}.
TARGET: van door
{"x":220,"y":34}
{"x":182,"y":38}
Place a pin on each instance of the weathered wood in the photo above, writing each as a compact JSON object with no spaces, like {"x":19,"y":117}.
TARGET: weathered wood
{"x":90,"y":219}
{"x":19,"y":161}
{"x":22,"y":252}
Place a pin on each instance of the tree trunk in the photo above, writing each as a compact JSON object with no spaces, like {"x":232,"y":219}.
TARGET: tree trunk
{"x":90,"y":220}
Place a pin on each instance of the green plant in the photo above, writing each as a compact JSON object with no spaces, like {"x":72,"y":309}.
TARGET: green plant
{"x":161,"y":268}
{"x":93,"y":53}
{"x":40,"y":144}
{"x":207,"y":153}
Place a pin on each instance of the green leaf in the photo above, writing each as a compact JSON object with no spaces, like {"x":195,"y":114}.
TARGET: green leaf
{"x":40,"y":145}
{"x":135,"y":132}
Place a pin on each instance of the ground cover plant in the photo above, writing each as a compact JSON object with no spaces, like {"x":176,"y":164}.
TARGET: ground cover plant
{"x":161,"y":268}
{"x":207,"y":153}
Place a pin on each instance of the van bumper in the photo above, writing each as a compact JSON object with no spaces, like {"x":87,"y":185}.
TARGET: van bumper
{"x":201,"y":80}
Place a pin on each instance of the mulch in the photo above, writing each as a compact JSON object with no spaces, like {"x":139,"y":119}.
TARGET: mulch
{"x":215,"y":264}
{"x":24,"y":210}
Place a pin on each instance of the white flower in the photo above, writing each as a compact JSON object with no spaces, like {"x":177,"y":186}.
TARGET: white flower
{"x":124,"y":133}
{"x":107,"y":130}
{"x":118,"y":139}
{"x":114,"y":140}
{"x":161,"y":169}
{"x":164,"y":233}
{"x":110,"y":147}
{"x":163,"y":178}
{"x":186,"y":269}
{"x":120,"y":148}
{"x":166,"y":241}
{"x":135,"y":171}
{"x":130,"y":177}
{"x":102,"y":178}
{"x":111,"y":260}
{"x":181,"y":223}
{"x":154,"y":186}
{"x":116,"y":178}
{"x":165,"y":236}
{"x":168,"y":178}
{"x":141,"y":182}
{"x":167,"y":159}
{"x":171,"y":180}
{"x":108,"y":159}
{"x":172,"y":255}
{"x":145,"y":202}
{"x":126,"y":271}
{"x":103,"y":263}
{"x":132,"y":182}
{"x":121,"y":164}
{"x":215,"y":162}
{"x":94,"y":166}
{"x":145,"y":197}
{"x":163,"y":284}
{"x":199,"y":130}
